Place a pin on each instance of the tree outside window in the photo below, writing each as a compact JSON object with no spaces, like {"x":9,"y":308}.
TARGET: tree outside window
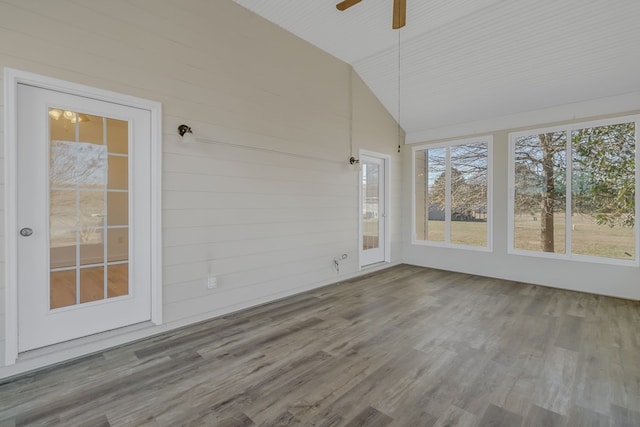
{"x":574,"y":190}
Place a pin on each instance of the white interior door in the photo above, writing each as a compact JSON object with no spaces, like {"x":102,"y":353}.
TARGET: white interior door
{"x":83,"y":247}
{"x":373,"y":214}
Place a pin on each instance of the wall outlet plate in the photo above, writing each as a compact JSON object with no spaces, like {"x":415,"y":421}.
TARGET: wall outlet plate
{"x":212,"y":282}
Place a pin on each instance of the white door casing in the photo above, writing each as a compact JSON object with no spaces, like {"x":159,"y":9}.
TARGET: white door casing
{"x":30,"y":321}
{"x":374,"y":208}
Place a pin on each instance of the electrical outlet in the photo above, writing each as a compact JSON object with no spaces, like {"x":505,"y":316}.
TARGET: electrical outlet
{"x":212,"y":282}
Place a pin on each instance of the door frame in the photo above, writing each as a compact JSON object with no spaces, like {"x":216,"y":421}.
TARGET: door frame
{"x":386,"y":160}
{"x":12,"y":78}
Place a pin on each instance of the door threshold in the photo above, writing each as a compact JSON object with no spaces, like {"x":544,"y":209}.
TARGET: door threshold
{"x":85,"y":344}
{"x":375,"y":265}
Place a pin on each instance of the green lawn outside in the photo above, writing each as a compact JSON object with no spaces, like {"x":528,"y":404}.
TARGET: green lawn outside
{"x":588,"y":238}
{"x":462,"y":232}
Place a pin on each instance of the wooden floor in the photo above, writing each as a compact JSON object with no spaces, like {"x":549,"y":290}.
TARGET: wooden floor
{"x":404,"y":347}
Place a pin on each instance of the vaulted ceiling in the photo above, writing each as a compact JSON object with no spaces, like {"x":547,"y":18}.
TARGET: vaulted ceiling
{"x":462,"y":62}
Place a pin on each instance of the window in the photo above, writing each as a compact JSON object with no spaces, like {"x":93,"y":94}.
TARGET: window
{"x":452,"y":189}
{"x":573,"y":191}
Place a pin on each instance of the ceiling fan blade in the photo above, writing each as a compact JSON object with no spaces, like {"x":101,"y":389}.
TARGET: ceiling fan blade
{"x":346,"y":4}
{"x":399,"y":13}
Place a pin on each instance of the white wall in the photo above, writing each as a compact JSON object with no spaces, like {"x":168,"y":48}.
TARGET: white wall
{"x":267,"y":224}
{"x":575,"y":275}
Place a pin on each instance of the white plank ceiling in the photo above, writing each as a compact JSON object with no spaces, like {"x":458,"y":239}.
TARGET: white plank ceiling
{"x":471,"y":61}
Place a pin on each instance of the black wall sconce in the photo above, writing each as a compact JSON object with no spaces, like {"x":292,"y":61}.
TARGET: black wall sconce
{"x":187,"y":134}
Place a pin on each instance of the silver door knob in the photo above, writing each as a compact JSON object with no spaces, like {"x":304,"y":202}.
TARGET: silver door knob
{"x":26,"y":232}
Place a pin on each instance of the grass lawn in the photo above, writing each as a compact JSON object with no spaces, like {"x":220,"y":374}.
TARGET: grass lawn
{"x":462,"y":232}
{"x":588,"y":238}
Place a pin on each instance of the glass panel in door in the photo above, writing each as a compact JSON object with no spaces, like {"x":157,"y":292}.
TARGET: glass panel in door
{"x":370,"y":206}
{"x":89,"y":208}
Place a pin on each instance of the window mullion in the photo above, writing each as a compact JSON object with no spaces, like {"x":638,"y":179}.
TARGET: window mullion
{"x":447,"y":196}
{"x":637,"y":193}
{"x":568,"y":193}
{"x":426,"y":195}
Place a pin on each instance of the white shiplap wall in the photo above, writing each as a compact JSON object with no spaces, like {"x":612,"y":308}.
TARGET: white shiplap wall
{"x":268,"y":206}
{"x":2,"y":230}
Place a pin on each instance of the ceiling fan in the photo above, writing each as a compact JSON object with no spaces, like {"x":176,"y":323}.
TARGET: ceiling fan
{"x":399,"y":11}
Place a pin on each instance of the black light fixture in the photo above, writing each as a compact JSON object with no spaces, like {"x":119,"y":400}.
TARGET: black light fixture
{"x":186,"y":133}
{"x":354,"y":161}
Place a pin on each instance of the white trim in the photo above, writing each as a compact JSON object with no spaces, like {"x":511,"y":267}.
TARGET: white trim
{"x":359,"y":207}
{"x":444,"y":245}
{"x":447,"y":195}
{"x":574,"y":257}
{"x":387,"y":208}
{"x":591,"y":108}
{"x":637,"y":206}
{"x":511,"y":189}
{"x":14,"y":77}
{"x":386,"y":161}
{"x":568,"y":196}
{"x":488,"y":139}
{"x":637,"y":183}
{"x":568,"y":255}
{"x":575,"y":126}
{"x":156,"y":214}
{"x":11,"y":79}
{"x":490,"y":217}
{"x":413,"y":195}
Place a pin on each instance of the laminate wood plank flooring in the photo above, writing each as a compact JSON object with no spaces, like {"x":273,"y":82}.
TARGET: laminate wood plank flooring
{"x":406,"y":346}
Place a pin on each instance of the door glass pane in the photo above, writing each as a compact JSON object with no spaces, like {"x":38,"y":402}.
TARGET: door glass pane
{"x":63,"y":255}
{"x":117,"y":136}
{"x":370,"y":205}
{"x":63,"y":209}
{"x":83,"y":170}
{"x":91,"y":284}
{"x":63,"y":288}
{"x":118,"y":280}
{"x":118,"y":203}
{"x":118,"y":244}
{"x":118,"y":173}
{"x":61,"y":163}
{"x":91,"y":246}
{"x":59,"y":129}
{"x":91,"y":209}
{"x":94,"y":133}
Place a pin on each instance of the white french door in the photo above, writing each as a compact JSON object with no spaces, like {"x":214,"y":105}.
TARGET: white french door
{"x":373,"y":210}
{"x":84,"y":256}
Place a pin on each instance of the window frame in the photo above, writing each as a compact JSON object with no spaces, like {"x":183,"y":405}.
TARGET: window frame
{"x":484,"y":139}
{"x":568,"y":255}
